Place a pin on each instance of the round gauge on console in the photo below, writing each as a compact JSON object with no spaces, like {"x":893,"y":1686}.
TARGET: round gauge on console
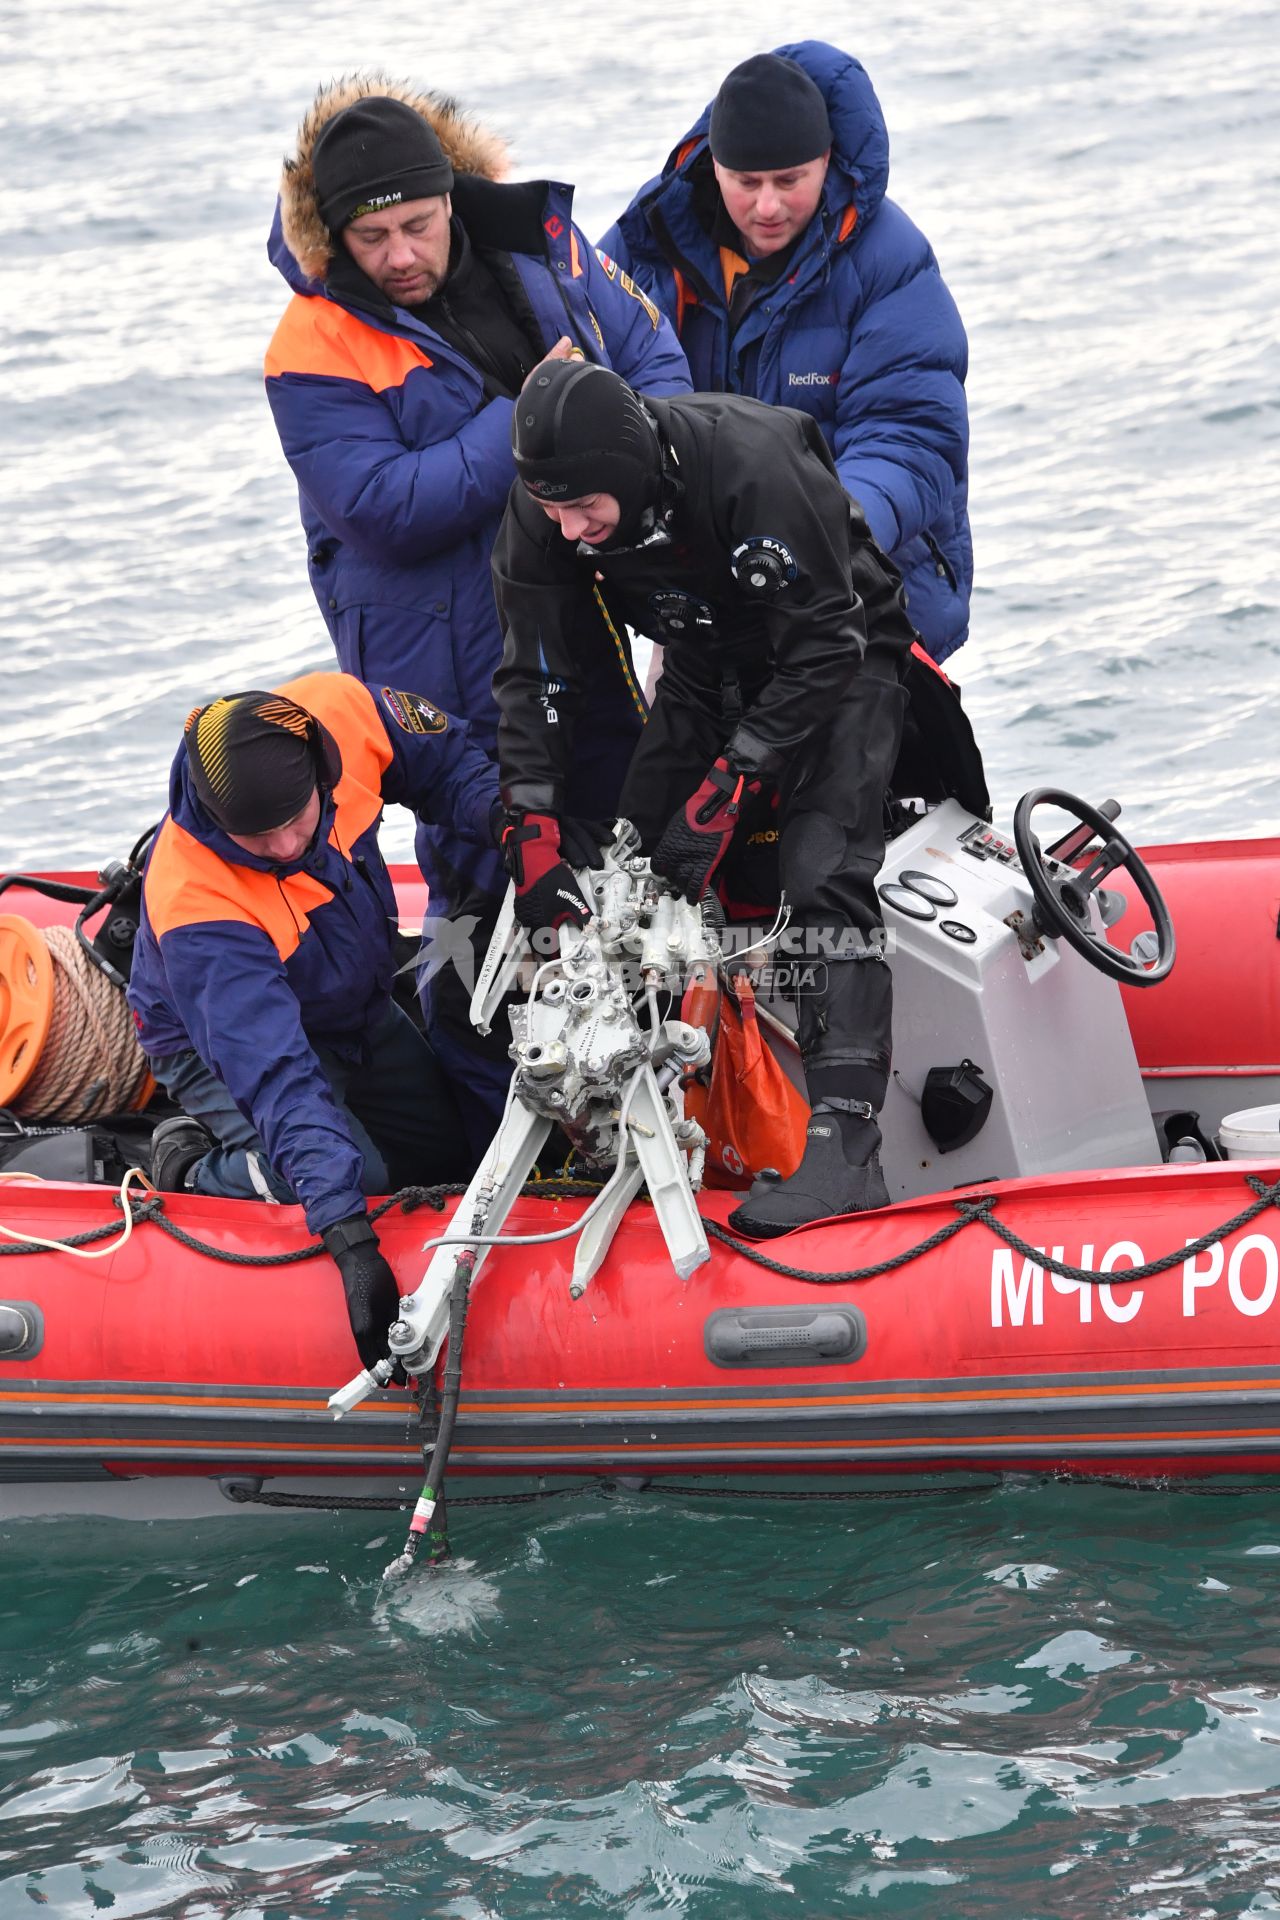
{"x":907,"y":900}
{"x":930,"y":886}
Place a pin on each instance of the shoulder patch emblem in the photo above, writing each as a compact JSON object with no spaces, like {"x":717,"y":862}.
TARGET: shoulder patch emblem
{"x":763,"y":565}
{"x":413,"y":714}
{"x":628,"y":285}
{"x":610,"y":266}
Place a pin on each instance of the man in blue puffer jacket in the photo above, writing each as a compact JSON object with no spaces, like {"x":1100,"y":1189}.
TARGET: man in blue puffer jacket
{"x":770,"y":243}
{"x":423,"y":292}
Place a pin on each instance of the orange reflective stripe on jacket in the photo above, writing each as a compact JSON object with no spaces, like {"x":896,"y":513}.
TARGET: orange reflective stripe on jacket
{"x":347,"y":708}
{"x":320,"y":338}
{"x":188,"y":885}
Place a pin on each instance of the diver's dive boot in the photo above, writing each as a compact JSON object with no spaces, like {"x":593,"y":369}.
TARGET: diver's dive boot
{"x":176,"y":1145}
{"x":840,"y":1173}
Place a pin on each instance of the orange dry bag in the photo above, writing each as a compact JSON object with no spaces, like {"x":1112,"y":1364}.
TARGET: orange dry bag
{"x":752,"y":1115}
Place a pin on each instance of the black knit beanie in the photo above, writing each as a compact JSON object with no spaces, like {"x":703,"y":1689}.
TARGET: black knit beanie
{"x":255,"y":759}
{"x":373,"y":155}
{"x":768,"y":115}
{"x":579,"y":429}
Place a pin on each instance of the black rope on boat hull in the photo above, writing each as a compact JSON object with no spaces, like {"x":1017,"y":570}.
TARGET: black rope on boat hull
{"x":245,"y":1495}
{"x":981,"y":1211}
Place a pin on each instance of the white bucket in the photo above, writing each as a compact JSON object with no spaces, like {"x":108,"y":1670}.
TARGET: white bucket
{"x":1251,"y":1134}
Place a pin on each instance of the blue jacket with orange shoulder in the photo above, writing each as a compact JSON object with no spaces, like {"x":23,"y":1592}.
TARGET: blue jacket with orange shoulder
{"x":249,"y":963}
{"x":402,"y":453}
{"x":859,"y":332}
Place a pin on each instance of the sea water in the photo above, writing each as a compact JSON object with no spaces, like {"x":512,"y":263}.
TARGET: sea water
{"x":1031,"y":1700}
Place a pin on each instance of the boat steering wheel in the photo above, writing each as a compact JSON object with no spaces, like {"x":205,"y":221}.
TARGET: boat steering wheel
{"x":1062,"y":902}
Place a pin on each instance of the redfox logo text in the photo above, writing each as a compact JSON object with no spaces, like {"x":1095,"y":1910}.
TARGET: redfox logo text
{"x":1247,"y":1278}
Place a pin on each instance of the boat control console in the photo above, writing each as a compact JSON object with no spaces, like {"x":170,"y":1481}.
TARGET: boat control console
{"x":979,"y":985}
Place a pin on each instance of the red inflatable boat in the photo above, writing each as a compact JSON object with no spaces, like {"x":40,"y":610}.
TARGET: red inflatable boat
{"x":955,"y":1331}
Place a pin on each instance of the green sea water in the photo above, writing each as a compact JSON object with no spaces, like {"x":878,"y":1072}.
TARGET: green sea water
{"x":1029,"y":1699}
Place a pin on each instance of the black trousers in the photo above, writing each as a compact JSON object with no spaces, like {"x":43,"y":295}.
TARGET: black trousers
{"x":830,"y":846}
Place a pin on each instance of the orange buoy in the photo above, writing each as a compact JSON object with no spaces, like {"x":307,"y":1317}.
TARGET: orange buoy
{"x":26,"y":1002}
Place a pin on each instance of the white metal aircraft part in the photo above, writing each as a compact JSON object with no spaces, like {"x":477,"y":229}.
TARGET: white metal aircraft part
{"x":596,"y":1237}
{"x":418,"y":1335}
{"x":666,"y":1174}
{"x":672,"y":1182}
{"x":583,"y":1061}
{"x":499,"y":970}
{"x":367,"y":1381}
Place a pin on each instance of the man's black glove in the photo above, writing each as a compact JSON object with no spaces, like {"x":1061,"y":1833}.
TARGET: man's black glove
{"x":696,"y":839}
{"x":373,"y":1299}
{"x":547,"y":895}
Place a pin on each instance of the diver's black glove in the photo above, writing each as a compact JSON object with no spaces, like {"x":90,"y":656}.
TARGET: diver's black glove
{"x":581,"y":840}
{"x":696,"y":839}
{"x":373,"y":1298}
{"x":547,"y":895}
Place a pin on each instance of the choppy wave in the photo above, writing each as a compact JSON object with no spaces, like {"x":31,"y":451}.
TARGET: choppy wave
{"x":1031,"y":1699}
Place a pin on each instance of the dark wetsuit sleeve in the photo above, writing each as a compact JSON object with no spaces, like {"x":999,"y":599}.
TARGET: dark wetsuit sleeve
{"x":826,"y":587}
{"x":543,"y":592}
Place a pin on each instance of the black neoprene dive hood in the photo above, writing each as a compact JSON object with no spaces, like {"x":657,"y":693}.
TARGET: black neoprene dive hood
{"x":578,"y":429}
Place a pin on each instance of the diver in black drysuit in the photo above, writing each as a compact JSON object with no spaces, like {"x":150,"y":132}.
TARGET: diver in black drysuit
{"x":786,"y":645}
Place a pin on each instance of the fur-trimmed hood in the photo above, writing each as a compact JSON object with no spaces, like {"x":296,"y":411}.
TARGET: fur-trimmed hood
{"x":470,"y":149}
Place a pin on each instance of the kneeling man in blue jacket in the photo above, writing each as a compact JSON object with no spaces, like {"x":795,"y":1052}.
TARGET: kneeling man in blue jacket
{"x":262,"y":976}
{"x":771,"y":244}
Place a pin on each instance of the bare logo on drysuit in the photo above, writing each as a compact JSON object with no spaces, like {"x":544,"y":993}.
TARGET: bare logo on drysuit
{"x":679,"y":613}
{"x":551,"y":687}
{"x":763,"y":565}
{"x":413,"y":714}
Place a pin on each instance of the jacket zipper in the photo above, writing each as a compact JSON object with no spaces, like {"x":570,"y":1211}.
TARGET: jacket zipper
{"x":574,"y":329}
{"x":941,"y":565}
